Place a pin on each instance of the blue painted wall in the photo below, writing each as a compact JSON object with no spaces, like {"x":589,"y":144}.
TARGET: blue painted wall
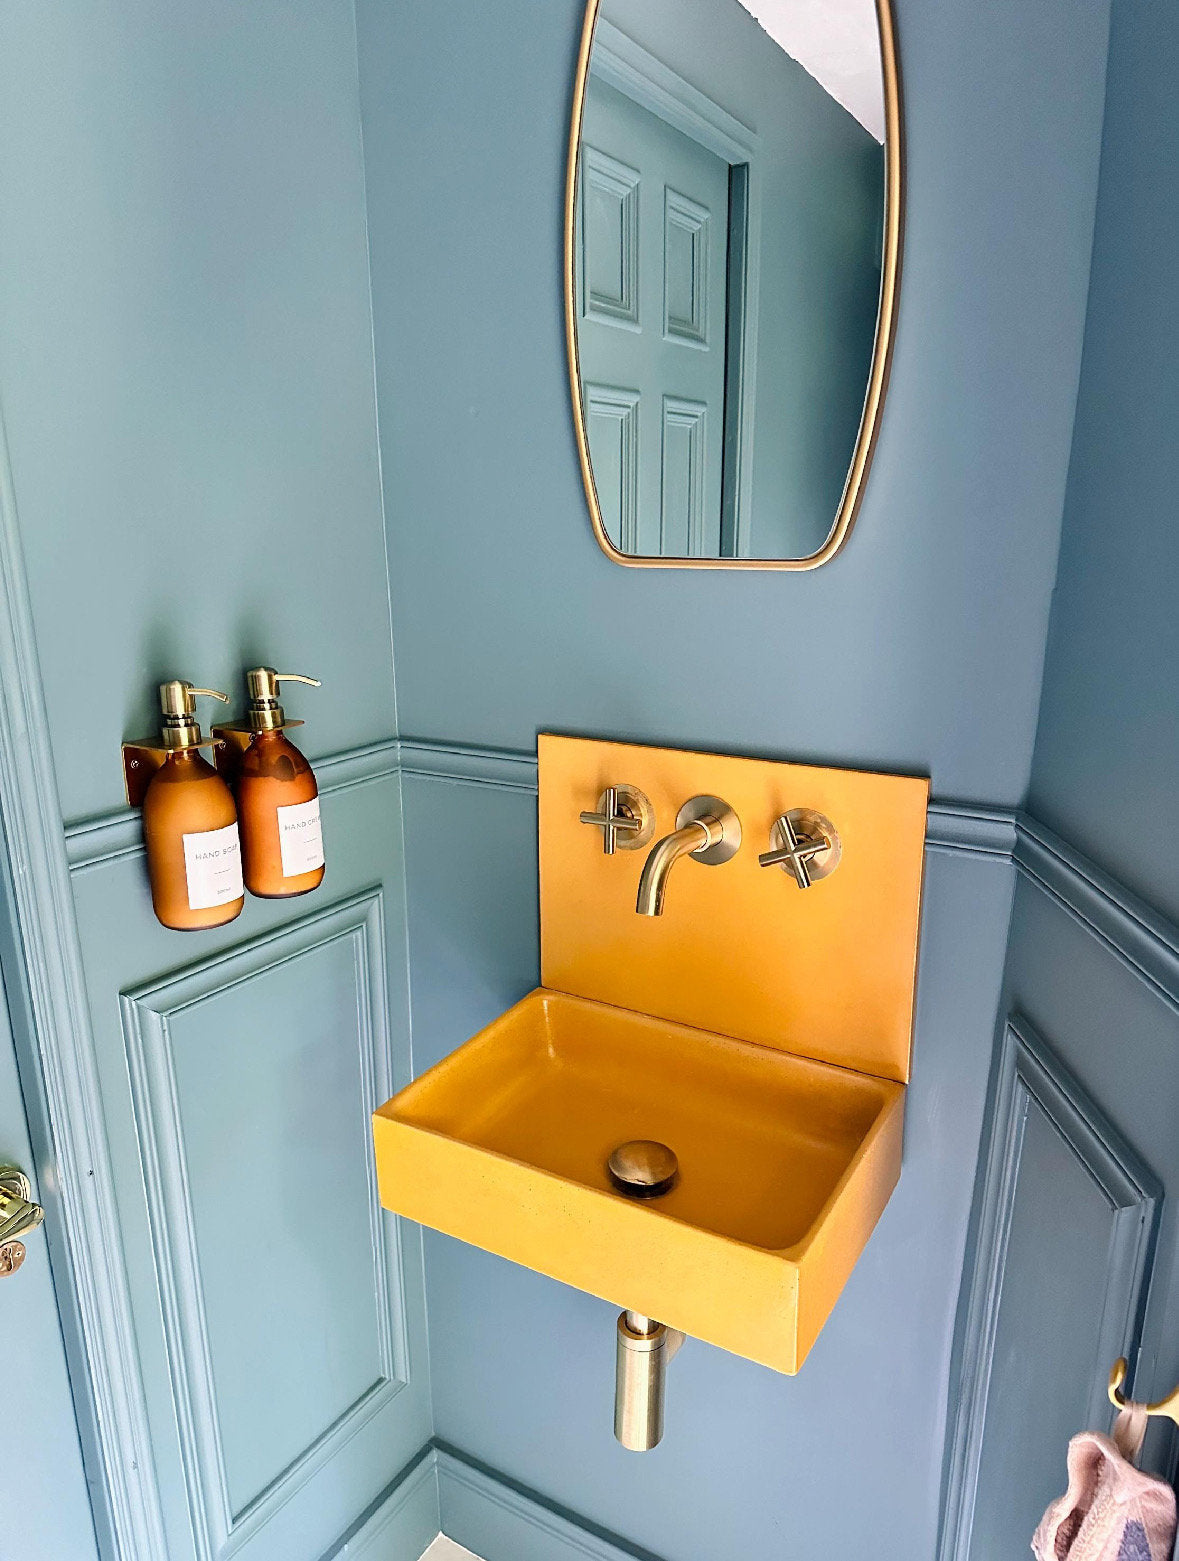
{"x":1107,"y":751}
{"x":1108,"y":745}
{"x":186,"y":352}
{"x":186,"y":365}
{"x":1096,"y":968}
{"x":925,"y":637}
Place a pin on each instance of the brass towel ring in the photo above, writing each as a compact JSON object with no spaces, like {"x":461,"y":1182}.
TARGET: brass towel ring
{"x":1168,"y":1406}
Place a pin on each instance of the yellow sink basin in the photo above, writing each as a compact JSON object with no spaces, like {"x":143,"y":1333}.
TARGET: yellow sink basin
{"x":785,"y":1165}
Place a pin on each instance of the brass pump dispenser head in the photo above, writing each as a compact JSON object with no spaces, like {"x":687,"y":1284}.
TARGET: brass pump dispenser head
{"x":178,"y":703}
{"x":264,"y":712}
{"x":178,"y":732}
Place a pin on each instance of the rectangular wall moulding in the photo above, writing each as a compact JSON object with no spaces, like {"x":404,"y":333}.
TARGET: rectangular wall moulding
{"x":252,"y":1076}
{"x":1066,"y":1233}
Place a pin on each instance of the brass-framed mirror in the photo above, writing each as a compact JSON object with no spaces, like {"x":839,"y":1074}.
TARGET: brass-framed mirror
{"x":733,"y":235}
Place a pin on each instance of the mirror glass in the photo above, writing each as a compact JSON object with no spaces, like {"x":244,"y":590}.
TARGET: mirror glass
{"x":732,"y":239}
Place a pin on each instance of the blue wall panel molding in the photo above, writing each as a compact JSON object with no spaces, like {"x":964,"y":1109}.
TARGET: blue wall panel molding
{"x":94,"y":841}
{"x":952,"y":826}
{"x":402,"y":1522}
{"x":272,"y":1098}
{"x":457,"y":761}
{"x":183,"y":1014}
{"x":982,"y":831}
{"x":1093,"y":952}
{"x":265,"y":986}
{"x":480,"y":1508}
{"x":1011,"y":1272}
{"x":1140,"y":936}
{"x":357,"y":766}
{"x":1146,"y":940}
{"x":502,"y":1521}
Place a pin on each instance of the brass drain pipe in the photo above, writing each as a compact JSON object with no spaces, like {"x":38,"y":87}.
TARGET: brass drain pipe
{"x":640,"y":1373}
{"x":642,"y":1168}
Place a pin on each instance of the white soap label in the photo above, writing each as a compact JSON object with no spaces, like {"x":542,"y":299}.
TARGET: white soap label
{"x":300,"y":838}
{"x":213,"y":868}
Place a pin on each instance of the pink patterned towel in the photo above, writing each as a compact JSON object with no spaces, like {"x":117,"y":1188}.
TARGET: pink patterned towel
{"x":1111,"y":1511}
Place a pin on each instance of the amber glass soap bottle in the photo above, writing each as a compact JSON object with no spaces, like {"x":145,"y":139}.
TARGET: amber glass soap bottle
{"x":190,"y":830}
{"x":277,"y":797}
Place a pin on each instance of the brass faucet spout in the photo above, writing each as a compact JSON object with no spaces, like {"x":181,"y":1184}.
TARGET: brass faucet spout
{"x":692,"y":838}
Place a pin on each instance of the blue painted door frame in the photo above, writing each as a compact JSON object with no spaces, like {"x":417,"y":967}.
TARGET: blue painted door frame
{"x":44,"y":1503}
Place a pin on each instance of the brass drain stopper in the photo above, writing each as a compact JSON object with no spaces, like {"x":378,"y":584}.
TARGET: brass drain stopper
{"x":643,"y":1168}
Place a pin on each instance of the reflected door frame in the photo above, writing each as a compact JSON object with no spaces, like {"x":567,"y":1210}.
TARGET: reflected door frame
{"x":639,"y":75}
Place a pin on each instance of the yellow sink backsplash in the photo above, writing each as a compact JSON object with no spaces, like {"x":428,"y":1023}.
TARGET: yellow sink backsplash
{"x":826,"y":972}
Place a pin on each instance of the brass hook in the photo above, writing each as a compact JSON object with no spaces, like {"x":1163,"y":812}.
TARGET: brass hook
{"x":1168,"y":1406}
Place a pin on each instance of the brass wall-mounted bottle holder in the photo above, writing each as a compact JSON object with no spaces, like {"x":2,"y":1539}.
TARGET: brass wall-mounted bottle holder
{"x":190,"y":831}
{"x":232,"y":738}
{"x":275,"y":789}
{"x":200,"y":862}
{"x":179,"y":730}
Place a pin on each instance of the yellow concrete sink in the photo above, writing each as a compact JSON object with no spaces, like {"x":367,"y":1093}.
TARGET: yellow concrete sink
{"x":785,"y":1165}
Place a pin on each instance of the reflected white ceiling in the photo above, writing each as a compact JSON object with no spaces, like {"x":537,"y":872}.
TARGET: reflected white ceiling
{"x":837,"y":42}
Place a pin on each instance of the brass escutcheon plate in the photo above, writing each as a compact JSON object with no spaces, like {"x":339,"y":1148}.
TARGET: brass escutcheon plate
{"x":632,"y":802}
{"x":809,"y":825}
{"x":697,"y":808}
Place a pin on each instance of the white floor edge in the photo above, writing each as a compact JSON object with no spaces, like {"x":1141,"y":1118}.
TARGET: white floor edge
{"x":443,"y":1549}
